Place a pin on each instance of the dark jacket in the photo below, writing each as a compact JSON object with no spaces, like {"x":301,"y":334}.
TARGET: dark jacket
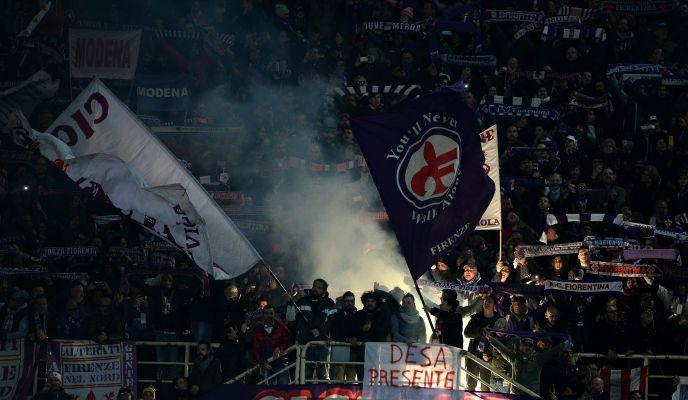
{"x":59,"y":394}
{"x":450,"y":323}
{"x":474,"y":331}
{"x":379,"y":325}
{"x":319,"y":312}
{"x":170,"y":318}
{"x":20,"y":323}
{"x":112,"y":324}
{"x":206,"y":379}
{"x":342,"y":325}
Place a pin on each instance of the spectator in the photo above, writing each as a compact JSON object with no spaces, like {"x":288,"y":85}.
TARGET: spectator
{"x":106,"y":324}
{"x":407,"y":326}
{"x":181,"y":389}
{"x":73,"y":322}
{"x":206,"y":373}
{"x":167,"y":318}
{"x":371,"y":324}
{"x":52,"y":390}
{"x":231,"y":353}
{"x":14,"y":316}
{"x":525,"y":363}
{"x":124,"y":393}
{"x":342,"y":331}
{"x":478,"y":345}
{"x":271,"y":339}
{"x":450,"y":317}
{"x":313,"y":323}
{"x":148,"y":393}
{"x":42,"y":326}
{"x":596,"y":391}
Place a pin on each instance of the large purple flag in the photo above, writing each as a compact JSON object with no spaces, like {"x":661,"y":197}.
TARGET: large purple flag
{"x":427,"y":163}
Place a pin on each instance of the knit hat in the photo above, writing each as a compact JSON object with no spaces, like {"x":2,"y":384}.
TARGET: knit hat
{"x":281,"y":10}
{"x":149,"y":389}
{"x":408,"y":11}
{"x":55,"y":375}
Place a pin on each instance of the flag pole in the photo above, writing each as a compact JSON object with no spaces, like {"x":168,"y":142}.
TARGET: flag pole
{"x":422,"y":301}
{"x":292,"y":302}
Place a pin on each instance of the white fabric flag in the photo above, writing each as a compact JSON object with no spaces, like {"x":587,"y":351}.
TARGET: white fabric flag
{"x":103,"y":54}
{"x":164,"y":210}
{"x":492,"y":217}
{"x":97,"y":122}
{"x":18,"y":102}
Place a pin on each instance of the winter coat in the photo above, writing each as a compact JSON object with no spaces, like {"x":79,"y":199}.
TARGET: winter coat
{"x":474,"y":331}
{"x":526,"y":369}
{"x":264,"y":344}
{"x":450,"y":323}
{"x":319,"y":312}
{"x":206,"y":379}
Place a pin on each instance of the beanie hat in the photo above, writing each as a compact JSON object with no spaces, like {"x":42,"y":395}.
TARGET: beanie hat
{"x":149,"y":389}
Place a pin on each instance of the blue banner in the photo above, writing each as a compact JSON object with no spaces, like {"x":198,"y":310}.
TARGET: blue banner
{"x":427,"y":163}
{"x":162,"y":92}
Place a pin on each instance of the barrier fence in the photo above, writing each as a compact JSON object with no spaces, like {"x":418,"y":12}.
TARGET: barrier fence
{"x":336,"y":360}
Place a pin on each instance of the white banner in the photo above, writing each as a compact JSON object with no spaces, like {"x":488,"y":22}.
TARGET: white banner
{"x":492,"y":217}
{"x":103,"y":54}
{"x":165,"y":210}
{"x":681,"y":392}
{"x":584,"y":287}
{"x":97,"y":122}
{"x":418,"y":371}
{"x":93,"y":371}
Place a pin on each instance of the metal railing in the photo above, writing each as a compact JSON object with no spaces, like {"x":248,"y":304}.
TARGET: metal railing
{"x":286,"y":369}
{"x":301,"y":362}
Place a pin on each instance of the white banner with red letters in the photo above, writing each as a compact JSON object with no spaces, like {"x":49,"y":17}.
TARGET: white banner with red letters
{"x":492,"y":217}
{"x":103,"y":54}
{"x":418,"y":371}
{"x":98,"y":122}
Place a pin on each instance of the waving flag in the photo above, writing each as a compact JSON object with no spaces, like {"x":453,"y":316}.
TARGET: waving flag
{"x":492,"y":217}
{"x":426,"y":160}
{"x":18,"y":102}
{"x":165,"y":210}
{"x":98,"y":122}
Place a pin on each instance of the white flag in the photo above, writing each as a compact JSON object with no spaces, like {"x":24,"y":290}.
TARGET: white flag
{"x":492,"y":217}
{"x":97,"y":122}
{"x":165,"y":210}
{"x":18,"y":102}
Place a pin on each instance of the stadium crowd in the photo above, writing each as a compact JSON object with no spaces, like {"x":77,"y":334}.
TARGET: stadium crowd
{"x":605,"y":145}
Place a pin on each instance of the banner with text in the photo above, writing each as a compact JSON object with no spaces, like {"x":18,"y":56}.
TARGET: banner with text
{"x":98,"y":122}
{"x":18,"y":367}
{"x":492,"y":217}
{"x":93,"y":371}
{"x":162,"y":92}
{"x":103,"y":54}
{"x":419,"y":371}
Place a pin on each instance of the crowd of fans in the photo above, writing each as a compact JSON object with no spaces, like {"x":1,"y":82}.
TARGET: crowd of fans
{"x":276,"y":83}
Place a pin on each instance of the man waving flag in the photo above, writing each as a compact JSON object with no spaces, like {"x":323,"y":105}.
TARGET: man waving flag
{"x":426,"y":160}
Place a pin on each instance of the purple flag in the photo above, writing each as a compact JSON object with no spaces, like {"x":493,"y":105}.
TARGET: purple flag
{"x":427,"y":163}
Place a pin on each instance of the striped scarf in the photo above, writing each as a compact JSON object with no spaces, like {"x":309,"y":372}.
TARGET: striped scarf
{"x":598,"y":34}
